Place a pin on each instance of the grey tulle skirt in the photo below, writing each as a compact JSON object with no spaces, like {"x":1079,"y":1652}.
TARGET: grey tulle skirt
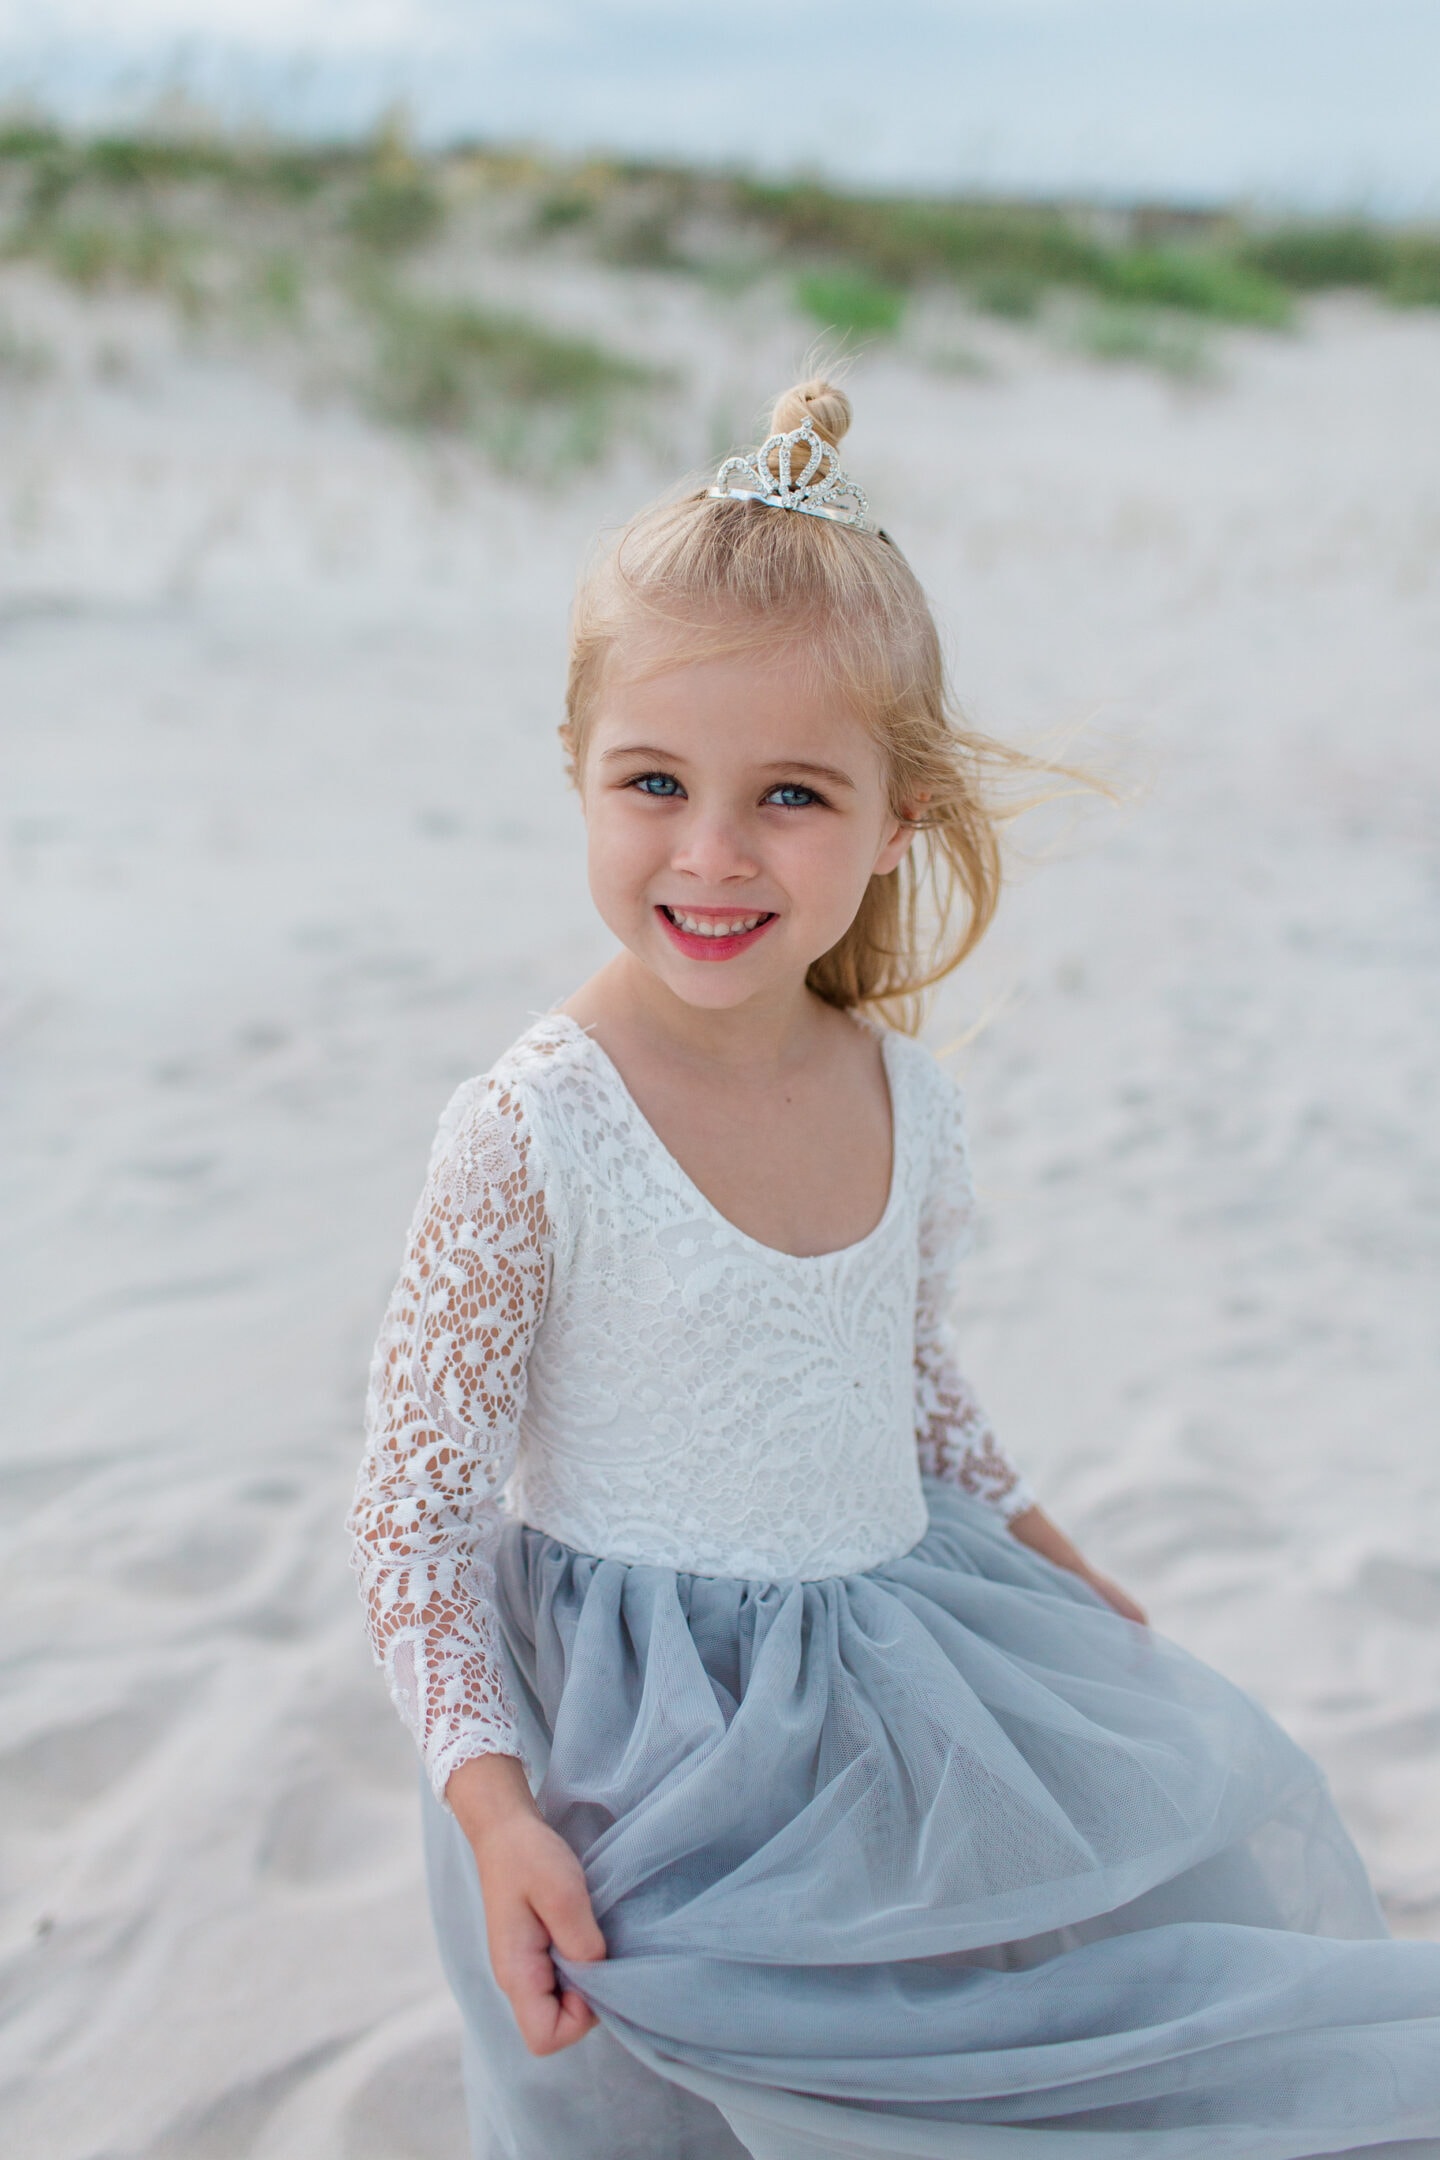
{"x":945,"y":1859}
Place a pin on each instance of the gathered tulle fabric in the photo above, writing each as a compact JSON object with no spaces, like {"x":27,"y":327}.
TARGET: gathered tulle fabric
{"x":948,"y":1859}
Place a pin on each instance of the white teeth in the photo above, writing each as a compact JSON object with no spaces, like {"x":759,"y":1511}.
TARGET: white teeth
{"x":693,"y":927}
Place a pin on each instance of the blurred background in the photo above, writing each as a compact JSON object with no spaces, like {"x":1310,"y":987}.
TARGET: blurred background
{"x":330,"y":339}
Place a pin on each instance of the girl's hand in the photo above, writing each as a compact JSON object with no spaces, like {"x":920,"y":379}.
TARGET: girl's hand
{"x":535,"y":1898}
{"x":1034,"y":1528}
{"x":1123,"y":1603}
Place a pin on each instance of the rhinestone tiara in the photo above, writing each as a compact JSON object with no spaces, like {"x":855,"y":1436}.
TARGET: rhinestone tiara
{"x":820,"y":489}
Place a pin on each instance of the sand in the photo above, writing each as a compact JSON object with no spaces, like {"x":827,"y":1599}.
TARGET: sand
{"x":290,"y":854}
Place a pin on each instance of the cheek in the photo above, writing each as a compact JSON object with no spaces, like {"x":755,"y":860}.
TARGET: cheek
{"x":832,"y":861}
{"x":621,"y":844}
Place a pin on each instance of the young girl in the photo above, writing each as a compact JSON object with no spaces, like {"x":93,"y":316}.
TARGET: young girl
{"x":771,"y":1725}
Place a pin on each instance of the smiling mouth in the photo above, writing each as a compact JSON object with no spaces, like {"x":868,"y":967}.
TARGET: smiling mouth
{"x":714,"y":936}
{"x":714,"y":925}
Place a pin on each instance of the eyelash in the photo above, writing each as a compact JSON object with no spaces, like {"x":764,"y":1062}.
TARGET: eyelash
{"x":796,"y":787}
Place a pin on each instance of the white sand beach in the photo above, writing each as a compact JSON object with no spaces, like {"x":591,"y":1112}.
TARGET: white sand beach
{"x":289,"y":853}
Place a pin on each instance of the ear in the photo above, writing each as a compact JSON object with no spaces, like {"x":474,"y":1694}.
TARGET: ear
{"x":896,"y":844}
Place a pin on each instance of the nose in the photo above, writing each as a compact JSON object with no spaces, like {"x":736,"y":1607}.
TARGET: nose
{"x":711,"y":846}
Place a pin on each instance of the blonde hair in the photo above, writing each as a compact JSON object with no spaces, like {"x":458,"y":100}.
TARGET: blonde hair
{"x":714,"y":576}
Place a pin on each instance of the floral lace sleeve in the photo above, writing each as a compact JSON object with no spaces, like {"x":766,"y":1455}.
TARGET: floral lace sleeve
{"x":953,"y":1435}
{"x":447,"y":1388}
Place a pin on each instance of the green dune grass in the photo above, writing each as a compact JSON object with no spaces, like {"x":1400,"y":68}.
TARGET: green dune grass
{"x":373,"y":237}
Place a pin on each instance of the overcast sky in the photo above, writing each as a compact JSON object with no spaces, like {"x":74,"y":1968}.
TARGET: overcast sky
{"x":1309,"y":103}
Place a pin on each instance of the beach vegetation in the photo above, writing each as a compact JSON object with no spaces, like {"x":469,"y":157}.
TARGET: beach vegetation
{"x":146,"y":254}
{"x":22,"y":138}
{"x":277,"y":286}
{"x":1401,"y":264}
{"x":851,"y":303}
{"x":515,"y":384}
{"x":394,"y":198}
{"x":641,"y":238}
{"x":562,"y":207}
{"x":397,"y":204}
{"x":367,"y":247}
{"x":907,"y":241}
{"x":394,"y":211}
{"x":49,"y":178}
{"x":1013,"y":295}
{"x":1172,"y":343}
{"x":1201,"y":281}
{"x":134,"y":164}
{"x":1319,"y":258}
{"x":1413,"y":279}
{"x":137,"y":161}
{"x":82,"y":254}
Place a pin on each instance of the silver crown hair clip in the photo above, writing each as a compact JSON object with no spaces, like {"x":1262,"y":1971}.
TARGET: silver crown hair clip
{"x":821,"y":489}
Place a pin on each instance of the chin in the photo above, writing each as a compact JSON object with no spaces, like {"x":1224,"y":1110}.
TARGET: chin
{"x":710,"y":988}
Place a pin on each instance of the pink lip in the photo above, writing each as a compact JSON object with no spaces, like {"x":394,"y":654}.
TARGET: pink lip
{"x":710,"y":948}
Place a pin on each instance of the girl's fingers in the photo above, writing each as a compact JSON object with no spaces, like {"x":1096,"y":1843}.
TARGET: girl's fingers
{"x":575,"y":2019}
{"x":523,"y":1968}
{"x":564,"y":1910}
{"x":555,"y":1911}
{"x":1115,"y":1597}
{"x":540,"y":2008}
{"x":551,"y":2022}
{"x":549,"y":2017}
{"x":1127,"y":1606}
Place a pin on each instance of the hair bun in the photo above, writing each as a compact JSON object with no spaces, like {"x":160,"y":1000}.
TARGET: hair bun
{"x":821,"y":403}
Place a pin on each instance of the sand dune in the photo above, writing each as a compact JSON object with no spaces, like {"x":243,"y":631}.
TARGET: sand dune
{"x":290,"y":854}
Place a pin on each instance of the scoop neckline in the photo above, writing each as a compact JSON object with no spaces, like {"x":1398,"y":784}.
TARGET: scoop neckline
{"x":681,"y":1174}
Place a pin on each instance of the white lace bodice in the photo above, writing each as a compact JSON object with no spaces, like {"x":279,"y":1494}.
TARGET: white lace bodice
{"x":578,"y":1337}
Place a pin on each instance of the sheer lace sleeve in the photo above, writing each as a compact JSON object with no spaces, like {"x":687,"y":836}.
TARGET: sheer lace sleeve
{"x":447,"y":1387}
{"x":955,"y":1440}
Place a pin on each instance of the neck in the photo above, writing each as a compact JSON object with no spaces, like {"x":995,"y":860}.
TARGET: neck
{"x":764,"y":1036}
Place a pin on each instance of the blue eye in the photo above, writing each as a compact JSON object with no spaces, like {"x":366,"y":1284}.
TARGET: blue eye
{"x":662,"y":784}
{"x":789,"y":789}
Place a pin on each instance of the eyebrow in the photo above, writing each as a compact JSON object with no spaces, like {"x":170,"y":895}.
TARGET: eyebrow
{"x":831,"y":773}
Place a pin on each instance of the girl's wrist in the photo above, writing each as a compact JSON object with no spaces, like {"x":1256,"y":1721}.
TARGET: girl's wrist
{"x":1033,"y":1527}
{"x":487,"y":1793}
